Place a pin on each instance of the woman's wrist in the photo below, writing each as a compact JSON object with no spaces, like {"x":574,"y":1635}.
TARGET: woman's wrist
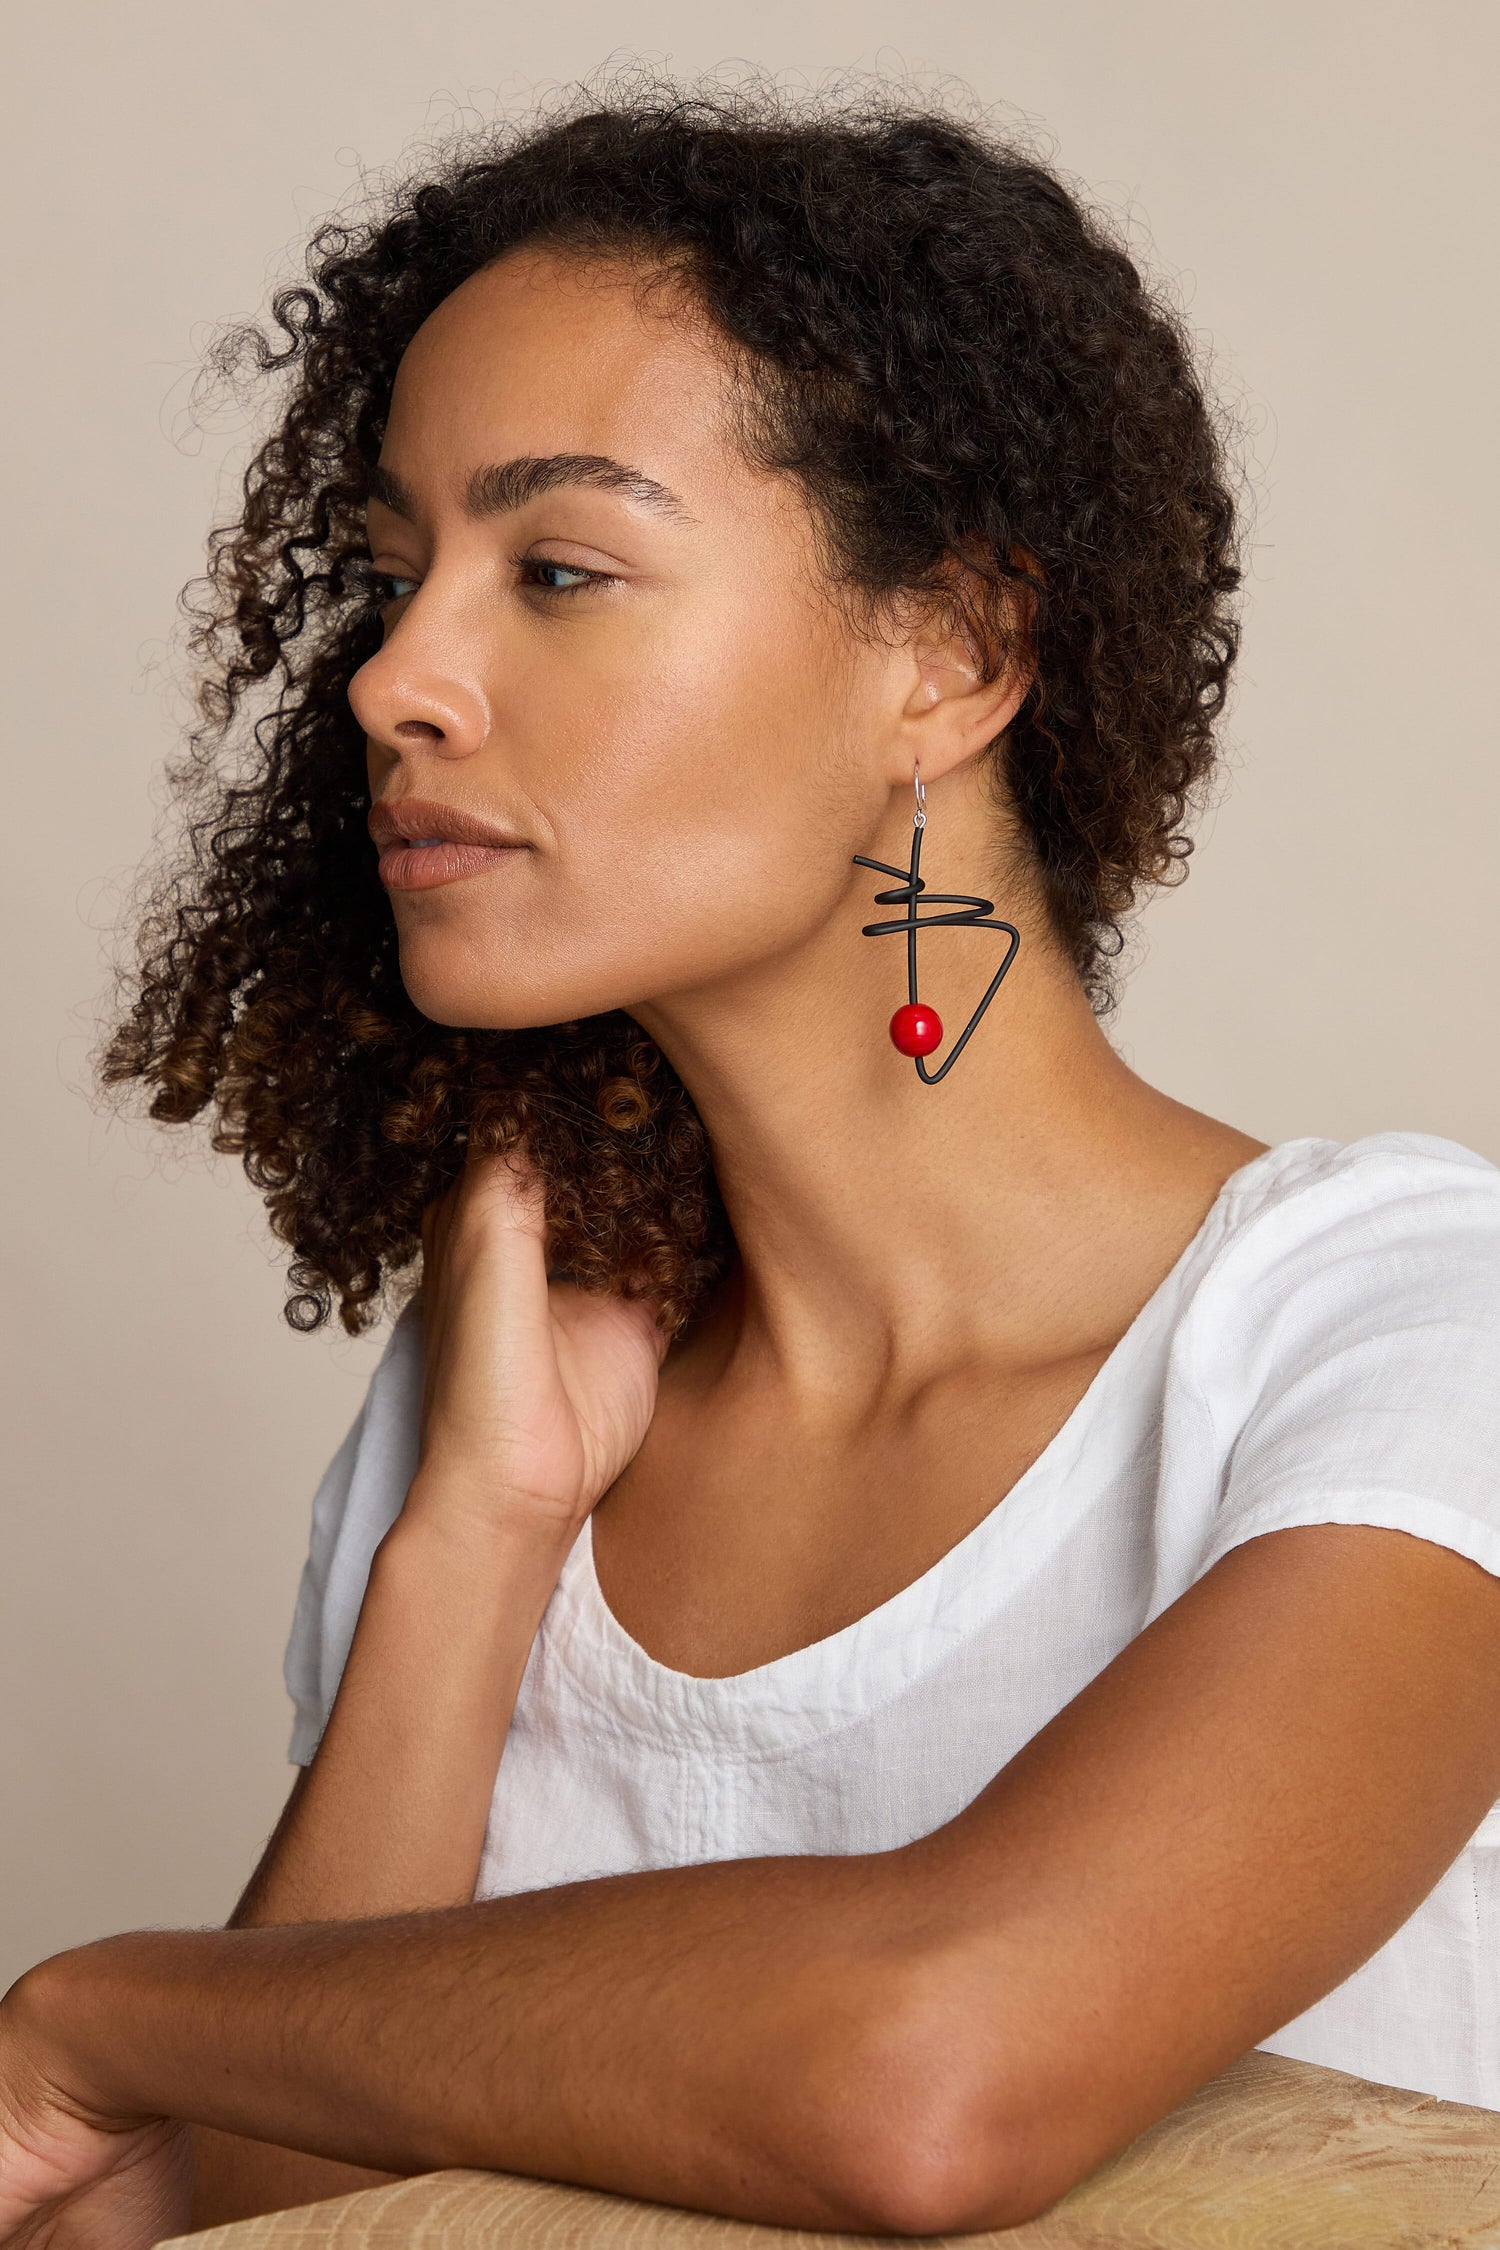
{"x":454,"y":1513}
{"x":510,"y":1554}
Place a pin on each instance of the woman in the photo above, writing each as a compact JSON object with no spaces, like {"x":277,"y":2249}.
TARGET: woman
{"x":984,"y":1578}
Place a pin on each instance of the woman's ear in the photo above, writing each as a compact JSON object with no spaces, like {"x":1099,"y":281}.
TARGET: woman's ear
{"x":957,"y":702}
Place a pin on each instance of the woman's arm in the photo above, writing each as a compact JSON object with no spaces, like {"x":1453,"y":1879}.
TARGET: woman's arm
{"x":1241,"y":1807}
{"x":534,"y":1400}
{"x":391,"y":1813}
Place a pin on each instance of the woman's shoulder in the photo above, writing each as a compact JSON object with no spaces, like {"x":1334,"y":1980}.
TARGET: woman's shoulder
{"x":1371,"y":1169}
{"x":1386,"y":1188}
{"x":1318,"y":1243}
{"x":1338,"y":1361}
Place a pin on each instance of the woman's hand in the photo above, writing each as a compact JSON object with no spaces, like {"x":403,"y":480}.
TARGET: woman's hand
{"x":537,"y":1393}
{"x":73,"y":2177}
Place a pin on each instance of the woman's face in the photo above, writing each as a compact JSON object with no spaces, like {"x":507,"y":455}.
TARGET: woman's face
{"x":609,"y":642}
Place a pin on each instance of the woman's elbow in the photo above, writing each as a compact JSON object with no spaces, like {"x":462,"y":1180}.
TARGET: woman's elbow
{"x":925,"y":2182}
{"x":921,"y":2134}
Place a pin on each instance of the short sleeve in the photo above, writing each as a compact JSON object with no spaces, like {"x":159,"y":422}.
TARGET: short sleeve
{"x":1354,"y":1363}
{"x":357,"y":1500}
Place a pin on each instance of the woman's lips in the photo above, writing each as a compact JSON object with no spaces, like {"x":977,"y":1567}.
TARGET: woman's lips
{"x":422,"y":866}
{"x":423,"y":843}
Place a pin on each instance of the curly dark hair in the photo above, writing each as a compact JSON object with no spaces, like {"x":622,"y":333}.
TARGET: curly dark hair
{"x":955,"y":358}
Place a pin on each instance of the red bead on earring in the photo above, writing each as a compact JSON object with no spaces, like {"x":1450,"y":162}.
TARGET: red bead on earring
{"x":916,"y":1029}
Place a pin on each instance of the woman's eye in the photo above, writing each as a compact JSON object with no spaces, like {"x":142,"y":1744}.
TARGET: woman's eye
{"x":384,"y":586}
{"x":556,"y":577}
{"x":546,"y":577}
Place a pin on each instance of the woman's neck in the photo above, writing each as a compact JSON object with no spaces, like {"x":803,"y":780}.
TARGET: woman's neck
{"x":887,"y":1228}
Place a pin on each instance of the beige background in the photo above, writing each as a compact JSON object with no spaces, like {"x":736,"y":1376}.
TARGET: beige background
{"x":1315,"y":178}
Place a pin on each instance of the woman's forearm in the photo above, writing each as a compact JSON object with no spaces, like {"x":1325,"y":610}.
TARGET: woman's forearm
{"x":711,"y":2036}
{"x":393,"y":1810}
{"x":391,"y":1813}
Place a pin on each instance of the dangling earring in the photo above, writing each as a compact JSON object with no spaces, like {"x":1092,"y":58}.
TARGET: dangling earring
{"x":916,"y":1029}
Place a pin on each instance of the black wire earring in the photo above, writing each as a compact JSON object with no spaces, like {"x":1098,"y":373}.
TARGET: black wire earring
{"x":916,"y":1029}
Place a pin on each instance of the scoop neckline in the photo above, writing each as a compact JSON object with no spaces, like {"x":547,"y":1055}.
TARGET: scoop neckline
{"x":841,"y":1676}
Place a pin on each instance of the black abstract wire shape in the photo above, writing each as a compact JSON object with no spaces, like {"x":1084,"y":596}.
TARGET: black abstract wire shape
{"x":976,"y":914}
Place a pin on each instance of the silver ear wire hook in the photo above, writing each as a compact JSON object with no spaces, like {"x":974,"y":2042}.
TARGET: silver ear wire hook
{"x":919,"y":817}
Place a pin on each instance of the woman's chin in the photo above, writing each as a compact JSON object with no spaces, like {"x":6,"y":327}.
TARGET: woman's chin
{"x":464,"y":1004}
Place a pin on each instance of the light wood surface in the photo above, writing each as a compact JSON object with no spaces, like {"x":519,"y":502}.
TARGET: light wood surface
{"x":1273,"y":2155}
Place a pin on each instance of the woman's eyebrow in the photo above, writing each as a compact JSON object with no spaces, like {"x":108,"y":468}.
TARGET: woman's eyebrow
{"x":505,"y":485}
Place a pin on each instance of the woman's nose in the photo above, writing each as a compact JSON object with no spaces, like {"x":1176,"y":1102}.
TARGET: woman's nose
{"x":406,"y":699}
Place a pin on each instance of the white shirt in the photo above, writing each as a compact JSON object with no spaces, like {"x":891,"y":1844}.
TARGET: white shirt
{"x":1326,"y":1350}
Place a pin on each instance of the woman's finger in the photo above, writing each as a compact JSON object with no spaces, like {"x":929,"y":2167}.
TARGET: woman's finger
{"x":505,"y":1186}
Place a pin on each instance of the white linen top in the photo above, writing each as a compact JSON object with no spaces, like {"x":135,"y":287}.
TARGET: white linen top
{"x":1326,"y":1350}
